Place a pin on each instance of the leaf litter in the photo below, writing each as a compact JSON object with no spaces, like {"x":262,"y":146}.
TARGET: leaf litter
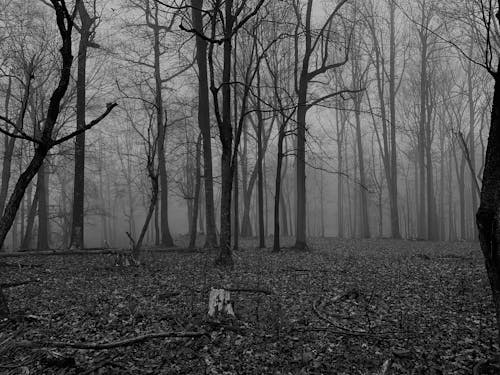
{"x":345,"y":307}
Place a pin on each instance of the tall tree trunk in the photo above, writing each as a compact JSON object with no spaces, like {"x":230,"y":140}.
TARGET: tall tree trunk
{"x":77,"y":226}
{"x":260,"y":177}
{"x":432,"y":219}
{"x":340,"y":183}
{"x":43,"y":208}
{"x":196,"y":200}
{"x":393,"y":182}
{"x":226,"y":136}
{"x":248,"y":184}
{"x":30,"y":221}
{"x":277,"y":189}
{"x":452,"y":233}
{"x":459,"y":171}
{"x":363,"y":204}
{"x":422,"y":213}
{"x":166,"y":237}
{"x":204,"y":123}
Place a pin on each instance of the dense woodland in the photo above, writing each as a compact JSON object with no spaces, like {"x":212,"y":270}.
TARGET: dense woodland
{"x":147,"y":124}
{"x":358,"y":119}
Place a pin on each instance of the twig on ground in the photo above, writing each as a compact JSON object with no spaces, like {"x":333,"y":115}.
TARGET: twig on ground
{"x":328,"y":320}
{"x":19,"y":265}
{"x":18,"y":283}
{"x":110,"y":345}
{"x":250,"y":290}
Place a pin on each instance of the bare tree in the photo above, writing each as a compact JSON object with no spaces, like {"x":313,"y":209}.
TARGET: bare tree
{"x":87,"y":32}
{"x":204,"y":121}
{"x":315,"y":41}
{"x":45,"y":141}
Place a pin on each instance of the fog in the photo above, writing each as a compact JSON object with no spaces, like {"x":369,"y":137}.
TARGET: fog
{"x":384,"y":104}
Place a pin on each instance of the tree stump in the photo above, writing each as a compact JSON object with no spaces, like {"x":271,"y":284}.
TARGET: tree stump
{"x":219,"y":302}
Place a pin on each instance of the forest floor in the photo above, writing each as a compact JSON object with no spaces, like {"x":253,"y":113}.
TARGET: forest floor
{"x":344,"y":307}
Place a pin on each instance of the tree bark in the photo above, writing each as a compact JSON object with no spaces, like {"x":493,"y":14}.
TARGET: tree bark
{"x":43,"y":209}
{"x":260,"y":157}
{"x":363,"y":204}
{"x":204,"y":123}
{"x":166,"y":237}
{"x":196,"y":200}
{"x":226,"y":136}
{"x":32,"y":210}
{"x":393,"y":182}
{"x":488,"y":214}
{"x":77,"y":226}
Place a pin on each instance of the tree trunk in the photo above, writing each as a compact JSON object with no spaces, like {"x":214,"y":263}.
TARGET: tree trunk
{"x":363,"y":204}
{"x":432,"y":219}
{"x":196,"y":200}
{"x":154,"y":198}
{"x":77,"y":226}
{"x":43,"y":209}
{"x":166,"y":237}
{"x":32,"y":210}
{"x":340,"y":184}
{"x":204,"y":123}
{"x":393,"y":183}
{"x":422,"y":213}
{"x":489,"y":209}
{"x":459,"y":171}
{"x":260,"y":177}
{"x":277,"y":190}
{"x":226,"y":136}
{"x":10,"y":142}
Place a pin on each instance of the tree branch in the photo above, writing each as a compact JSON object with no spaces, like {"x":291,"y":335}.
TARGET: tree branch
{"x":109,"y":345}
{"x":109,"y":108}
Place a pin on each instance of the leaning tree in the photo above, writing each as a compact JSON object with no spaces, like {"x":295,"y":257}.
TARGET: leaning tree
{"x":44,"y":140}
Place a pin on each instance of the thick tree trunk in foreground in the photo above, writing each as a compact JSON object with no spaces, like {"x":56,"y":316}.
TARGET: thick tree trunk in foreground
{"x":488,"y":214}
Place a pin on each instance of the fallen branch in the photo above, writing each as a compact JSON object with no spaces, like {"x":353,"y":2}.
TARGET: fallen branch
{"x":250,"y":290}
{"x":18,"y":283}
{"x":92,"y":252}
{"x":19,"y":265}
{"x":329,"y":321}
{"x":109,"y":345}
